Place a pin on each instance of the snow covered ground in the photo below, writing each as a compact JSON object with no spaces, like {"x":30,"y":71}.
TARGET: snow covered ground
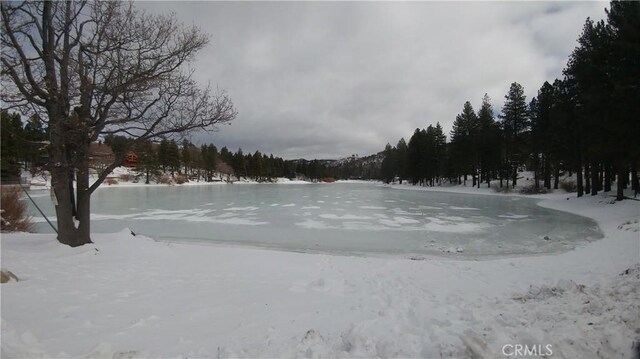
{"x":128,"y":296}
{"x":125,"y":177}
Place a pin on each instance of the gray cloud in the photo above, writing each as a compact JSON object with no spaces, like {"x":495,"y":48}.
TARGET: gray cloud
{"x":326,"y":80}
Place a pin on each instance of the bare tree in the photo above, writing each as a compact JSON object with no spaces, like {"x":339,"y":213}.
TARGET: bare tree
{"x":95,"y":68}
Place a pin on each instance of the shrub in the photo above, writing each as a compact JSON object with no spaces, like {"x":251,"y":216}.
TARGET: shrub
{"x":531,"y":189}
{"x":568,"y":185}
{"x":496,"y":188}
{"x":7,"y":276}
{"x":164,"y":179}
{"x":180,"y":179}
{"x":111,"y":181}
{"x":14,"y":211}
{"x":327,"y":179}
{"x":126,"y":177}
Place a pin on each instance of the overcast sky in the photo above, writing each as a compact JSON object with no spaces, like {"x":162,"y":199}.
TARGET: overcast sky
{"x":331,"y":79}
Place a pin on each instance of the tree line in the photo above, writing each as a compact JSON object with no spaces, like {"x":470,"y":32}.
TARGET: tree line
{"x":24,"y":148}
{"x":203,"y":162}
{"x":587,"y":123}
{"x":22,"y":145}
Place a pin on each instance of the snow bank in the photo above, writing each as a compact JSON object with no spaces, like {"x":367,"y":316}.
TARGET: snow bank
{"x":128,"y":296}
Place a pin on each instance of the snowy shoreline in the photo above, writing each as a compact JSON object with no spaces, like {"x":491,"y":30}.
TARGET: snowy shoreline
{"x":130,"y":296}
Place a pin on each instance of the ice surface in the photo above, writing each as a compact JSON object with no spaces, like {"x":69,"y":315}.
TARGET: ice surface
{"x":364,"y":219}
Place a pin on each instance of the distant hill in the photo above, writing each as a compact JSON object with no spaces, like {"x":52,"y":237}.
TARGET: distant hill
{"x":352,"y":167}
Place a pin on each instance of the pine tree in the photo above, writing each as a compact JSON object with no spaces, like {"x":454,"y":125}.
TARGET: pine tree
{"x":403,"y":160}
{"x":389,"y":164}
{"x":239,"y":164}
{"x":417,"y":156}
{"x":163,"y":154}
{"x":515,"y":121}
{"x":173,"y":157}
{"x":12,"y":138}
{"x":258,"y":166}
{"x":226,"y":155}
{"x":209,"y":155}
{"x":464,"y":137}
{"x":541,"y":134}
{"x":35,"y":136}
{"x":186,"y":156}
{"x":147,"y":159}
{"x":623,"y":25}
{"x":437,"y":156}
{"x":489,"y":142}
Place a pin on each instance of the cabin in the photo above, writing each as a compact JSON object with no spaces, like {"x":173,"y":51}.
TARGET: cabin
{"x":131,"y":160}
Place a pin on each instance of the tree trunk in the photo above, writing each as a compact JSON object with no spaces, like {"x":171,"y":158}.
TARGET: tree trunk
{"x":607,"y":177}
{"x":594,"y":179}
{"x":60,"y":179}
{"x":62,"y":185}
{"x":515,"y":176}
{"x":83,"y":233}
{"x":547,"y":172}
{"x":587,"y":178}
{"x":72,"y":198}
{"x":556,"y":176}
{"x":601,"y":171}
{"x":64,"y":209}
{"x":536,"y":171}
{"x":579,"y":181}
{"x":622,"y":172}
{"x":635,"y":184}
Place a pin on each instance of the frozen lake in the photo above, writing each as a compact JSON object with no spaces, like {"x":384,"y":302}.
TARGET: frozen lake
{"x":344,"y":218}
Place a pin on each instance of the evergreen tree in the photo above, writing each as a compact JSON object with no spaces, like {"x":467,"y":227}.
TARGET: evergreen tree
{"x":417,"y":156}
{"x":589,"y":72}
{"x":435,"y":153}
{"x":623,"y":25}
{"x":489,"y":142}
{"x":464,"y":137}
{"x":147,"y":159}
{"x":258,"y":166}
{"x":12,"y":138}
{"x":209,"y":160}
{"x":541,"y":134}
{"x":226,"y":155}
{"x":163,"y":154}
{"x":239,"y":164}
{"x":566,"y":133}
{"x":403,"y":160}
{"x":185,"y":156}
{"x":515,"y":122}
{"x":120,"y":145}
{"x":34,"y":155}
{"x":389,"y":166}
{"x":173,"y":157}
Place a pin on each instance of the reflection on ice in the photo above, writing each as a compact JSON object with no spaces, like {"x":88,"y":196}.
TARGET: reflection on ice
{"x":360,"y":218}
